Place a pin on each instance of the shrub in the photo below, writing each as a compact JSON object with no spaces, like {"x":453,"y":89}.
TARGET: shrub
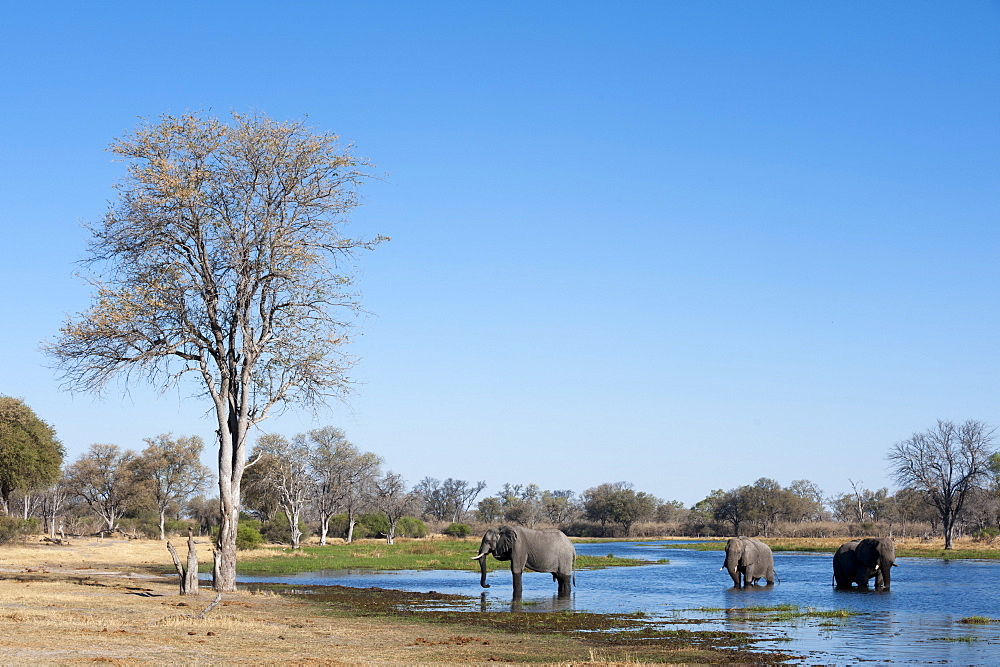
{"x":457,"y":530}
{"x":374,"y":525}
{"x":276,"y":530}
{"x":12,"y":528}
{"x":409,"y":526}
{"x":986,"y":534}
{"x":247,"y":536}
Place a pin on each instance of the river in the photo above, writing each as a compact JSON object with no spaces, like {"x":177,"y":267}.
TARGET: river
{"x":917,"y":621}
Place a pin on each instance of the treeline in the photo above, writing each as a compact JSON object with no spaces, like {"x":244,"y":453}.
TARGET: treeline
{"x":319,"y":483}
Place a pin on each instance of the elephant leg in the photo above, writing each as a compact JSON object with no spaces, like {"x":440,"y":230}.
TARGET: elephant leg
{"x":517,"y":585}
{"x":564,"y":587}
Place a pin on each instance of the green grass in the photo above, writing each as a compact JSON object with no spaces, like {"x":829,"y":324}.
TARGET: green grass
{"x":977,"y":620}
{"x":409,"y":555}
{"x":781,"y":612}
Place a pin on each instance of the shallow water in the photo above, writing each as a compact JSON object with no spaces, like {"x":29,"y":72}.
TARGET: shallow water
{"x":914,"y":622}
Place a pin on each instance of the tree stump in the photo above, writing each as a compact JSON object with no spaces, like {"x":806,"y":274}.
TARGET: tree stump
{"x":188,"y":577}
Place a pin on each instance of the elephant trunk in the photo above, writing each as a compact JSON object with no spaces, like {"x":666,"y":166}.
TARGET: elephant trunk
{"x":482,"y":569}
{"x":732,"y":565}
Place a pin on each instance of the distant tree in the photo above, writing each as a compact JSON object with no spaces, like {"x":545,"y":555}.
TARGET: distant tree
{"x":392,"y":499}
{"x":804,"y":501}
{"x":224,"y":260}
{"x":946,"y":462}
{"x":204,"y":511}
{"x":173,"y":466}
{"x":559,"y":507}
{"x":30,"y":455}
{"x":521,"y":504}
{"x":279,"y":470}
{"x":343,"y":476}
{"x":489,"y":510}
{"x":618,"y":503}
{"x":106,"y":478}
{"x":449,"y":500}
{"x":733,"y":508}
{"x":53,"y":503}
{"x":767,"y":501}
{"x":670,"y":511}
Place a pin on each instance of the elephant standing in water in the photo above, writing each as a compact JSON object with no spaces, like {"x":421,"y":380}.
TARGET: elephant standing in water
{"x":859,"y":561}
{"x":747,"y":560}
{"x":537,"y":550}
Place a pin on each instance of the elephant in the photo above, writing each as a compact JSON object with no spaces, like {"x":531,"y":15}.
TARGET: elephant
{"x":537,"y":550}
{"x":860,"y":560}
{"x":747,"y":560}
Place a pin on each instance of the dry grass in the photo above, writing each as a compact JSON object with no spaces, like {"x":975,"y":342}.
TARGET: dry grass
{"x":106,"y":601}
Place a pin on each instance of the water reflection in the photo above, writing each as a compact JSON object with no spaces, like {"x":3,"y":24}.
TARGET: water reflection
{"x":917,"y":621}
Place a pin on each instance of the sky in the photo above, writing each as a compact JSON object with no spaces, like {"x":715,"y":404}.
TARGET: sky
{"x":684,"y":245}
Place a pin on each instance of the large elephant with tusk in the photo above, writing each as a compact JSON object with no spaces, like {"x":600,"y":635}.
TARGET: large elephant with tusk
{"x":858,"y":561}
{"x":536,"y":550}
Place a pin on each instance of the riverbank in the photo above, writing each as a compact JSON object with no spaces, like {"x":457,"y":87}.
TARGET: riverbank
{"x":964,"y":547}
{"x":110,"y":601}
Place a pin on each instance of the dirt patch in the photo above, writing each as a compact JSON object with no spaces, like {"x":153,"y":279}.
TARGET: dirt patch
{"x":110,"y":601}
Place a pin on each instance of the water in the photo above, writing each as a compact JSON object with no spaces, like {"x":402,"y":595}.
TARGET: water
{"x":914,"y":622}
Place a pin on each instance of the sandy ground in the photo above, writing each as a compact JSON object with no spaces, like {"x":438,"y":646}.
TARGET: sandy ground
{"x":108,"y":601}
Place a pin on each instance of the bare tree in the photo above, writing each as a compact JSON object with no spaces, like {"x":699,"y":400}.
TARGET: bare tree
{"x":343,"y":476}
{"x":105,"y":479}
{"x":392,"y":499}
{"x":946,"y":462}
{"x":173,"y":466}
{"x":53,"y":503}
{"x":223,"y":261}
{"x":284,"y":476}
{"x":449,"y":500}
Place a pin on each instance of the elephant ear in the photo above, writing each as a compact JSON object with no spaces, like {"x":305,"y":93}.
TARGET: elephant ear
{"x":867,"y":553}
{"x":505,"y":543}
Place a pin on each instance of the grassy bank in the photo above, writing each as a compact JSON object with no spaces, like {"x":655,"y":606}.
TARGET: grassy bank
{"x":905,"y":547}
{"x":441,"y":554}
{"x":107,"y":601}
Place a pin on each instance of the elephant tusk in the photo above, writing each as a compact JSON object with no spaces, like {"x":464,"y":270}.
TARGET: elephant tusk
{"x":482,"y":555}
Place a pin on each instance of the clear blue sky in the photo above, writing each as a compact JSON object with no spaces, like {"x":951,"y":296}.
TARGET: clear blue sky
{"x":680,"y":244}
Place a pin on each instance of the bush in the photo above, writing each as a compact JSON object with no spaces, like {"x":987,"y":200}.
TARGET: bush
{"x":373,"y":525}
{"x":338,"y":527}
{"x":247,"y":533}
{"x":986,"y":534}
{"x":248,"y":537}
{"x":12,"y":528}
{"x":276,"y":530}
{"x":457,"y":530}
{"x":408,"y":526}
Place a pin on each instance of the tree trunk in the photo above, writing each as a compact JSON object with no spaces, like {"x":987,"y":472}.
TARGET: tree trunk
{"x":350,"y":530}
{"x":224,"y":572}
{"x":163,"y":521}
{"x":188,"y":577}
{"x":293,"y":528}
{"x":324,"y":528}
{"x":232,"y":461}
